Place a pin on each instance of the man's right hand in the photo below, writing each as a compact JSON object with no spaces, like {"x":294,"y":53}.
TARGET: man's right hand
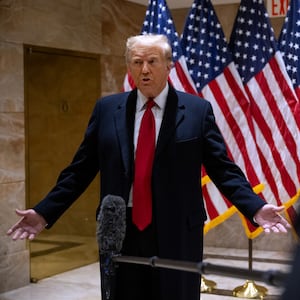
{"x":28,"y":227}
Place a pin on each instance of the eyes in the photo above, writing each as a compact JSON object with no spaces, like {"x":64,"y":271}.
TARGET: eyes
{"x":139,"y":62}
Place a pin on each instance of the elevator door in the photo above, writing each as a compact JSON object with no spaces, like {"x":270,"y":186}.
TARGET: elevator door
{"x":61,"y":88}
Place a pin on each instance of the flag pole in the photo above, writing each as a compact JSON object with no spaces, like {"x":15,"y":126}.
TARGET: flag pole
{"x":250,"y":289}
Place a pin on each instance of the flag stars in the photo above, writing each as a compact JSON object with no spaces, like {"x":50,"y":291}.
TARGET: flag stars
{"x":208,"y":46}
{"x":192,"y":16}
{"x":191,"y":61}
{"x":295,"y":70}
{"x":243,"y":8}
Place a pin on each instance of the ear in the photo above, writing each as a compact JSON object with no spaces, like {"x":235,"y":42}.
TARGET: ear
{"x":170,"y":66}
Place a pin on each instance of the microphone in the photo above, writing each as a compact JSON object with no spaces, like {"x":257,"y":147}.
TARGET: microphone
{"x":111,"y":228}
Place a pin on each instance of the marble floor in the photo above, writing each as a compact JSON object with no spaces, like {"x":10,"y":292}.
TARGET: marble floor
{"x":83,"y":283}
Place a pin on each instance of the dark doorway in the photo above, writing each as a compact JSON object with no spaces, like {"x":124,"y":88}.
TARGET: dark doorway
{"x":61,"y":88}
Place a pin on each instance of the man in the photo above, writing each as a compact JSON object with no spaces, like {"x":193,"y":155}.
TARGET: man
{"x":186,"y":137}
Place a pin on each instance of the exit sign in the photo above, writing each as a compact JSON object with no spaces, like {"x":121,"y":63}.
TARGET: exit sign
{"x":277,"y":8}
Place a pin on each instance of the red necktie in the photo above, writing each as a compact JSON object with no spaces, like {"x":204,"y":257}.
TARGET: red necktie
{"x":144,"y":155}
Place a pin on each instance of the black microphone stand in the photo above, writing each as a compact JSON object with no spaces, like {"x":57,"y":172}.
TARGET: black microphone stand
{"x":271,"y":277}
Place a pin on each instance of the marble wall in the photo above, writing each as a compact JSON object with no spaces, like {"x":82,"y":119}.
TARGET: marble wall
{"x":93,"y":26}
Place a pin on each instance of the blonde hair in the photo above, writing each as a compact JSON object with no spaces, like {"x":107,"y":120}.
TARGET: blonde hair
{"x":157,"y":40}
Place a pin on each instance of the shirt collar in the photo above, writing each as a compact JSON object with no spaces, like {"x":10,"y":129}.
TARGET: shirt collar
{"x":160,"y":100}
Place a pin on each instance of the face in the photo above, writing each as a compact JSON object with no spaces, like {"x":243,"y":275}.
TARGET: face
{"x":149,"y":69}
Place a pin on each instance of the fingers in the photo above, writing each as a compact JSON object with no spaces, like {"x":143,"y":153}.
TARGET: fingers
{"x":22,"y":234}
{"x":18,"y":234}
{"x":31,"y":236}
{"x":281,"y":228}
{"x":285,"y":223}
{"x":14,"y":228}
{"x":9,"y":231}
{"x":278,"y":209}
{"x":282,"y":224}
{"x":276,"y":228}
{"x":23,"y":213}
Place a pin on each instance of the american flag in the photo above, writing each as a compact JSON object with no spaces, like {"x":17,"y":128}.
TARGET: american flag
{"x":262,"y":70}
{"x":158,"y":20}
{"x":211,"y":66}
{"x":289,"y":45}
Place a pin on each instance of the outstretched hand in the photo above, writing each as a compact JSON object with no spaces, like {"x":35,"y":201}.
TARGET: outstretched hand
{"x":269,"y":218}
{"x":28,"y":227}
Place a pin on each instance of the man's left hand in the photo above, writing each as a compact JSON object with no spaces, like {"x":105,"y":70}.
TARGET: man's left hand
{"x":269,"y":218}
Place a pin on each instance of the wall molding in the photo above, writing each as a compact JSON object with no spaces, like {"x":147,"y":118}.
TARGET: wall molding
{"x":175,"y":4}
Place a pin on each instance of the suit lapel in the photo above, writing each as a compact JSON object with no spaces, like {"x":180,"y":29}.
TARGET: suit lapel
{"x":124,"y":120}
{"x":173,"y":115}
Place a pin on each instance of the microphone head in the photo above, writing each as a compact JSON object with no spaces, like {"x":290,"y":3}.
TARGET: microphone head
{"x":111,"y":224}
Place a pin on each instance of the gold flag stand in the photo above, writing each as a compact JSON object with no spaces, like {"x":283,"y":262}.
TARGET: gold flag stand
{"x":250,"y":289}
{"x":207,"y":285}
